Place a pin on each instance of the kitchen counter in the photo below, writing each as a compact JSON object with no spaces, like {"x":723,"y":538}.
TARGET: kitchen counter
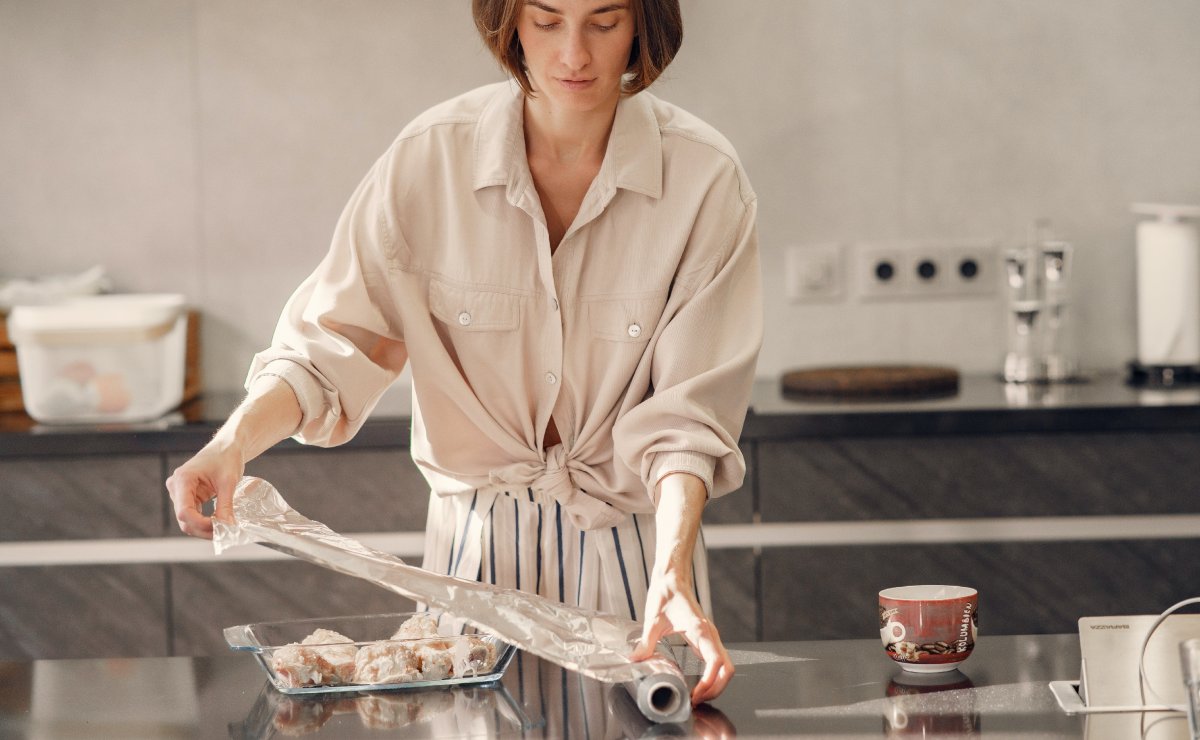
{"x":983,"y":405}
{"x":799,"y":689}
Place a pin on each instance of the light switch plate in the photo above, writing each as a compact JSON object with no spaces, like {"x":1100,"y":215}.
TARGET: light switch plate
{"x":814,"y":273}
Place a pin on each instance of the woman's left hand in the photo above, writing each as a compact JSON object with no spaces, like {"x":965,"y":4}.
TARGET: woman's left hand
{"x":671,"y":608}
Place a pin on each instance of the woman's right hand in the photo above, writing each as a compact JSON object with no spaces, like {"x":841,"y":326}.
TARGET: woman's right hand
{"x":212,"y":473}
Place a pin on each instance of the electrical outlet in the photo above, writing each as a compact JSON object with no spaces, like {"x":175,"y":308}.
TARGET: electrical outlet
{"x":926,"y":269}
{"x":882,"y":272}
{"x":814,"y":273}
{"x":973,"y":268}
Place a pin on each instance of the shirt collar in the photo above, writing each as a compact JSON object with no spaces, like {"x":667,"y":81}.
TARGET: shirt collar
{"x":633,"y":160}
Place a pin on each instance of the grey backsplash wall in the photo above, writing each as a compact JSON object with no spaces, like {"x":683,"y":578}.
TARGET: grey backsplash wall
{"x":207,"y":146}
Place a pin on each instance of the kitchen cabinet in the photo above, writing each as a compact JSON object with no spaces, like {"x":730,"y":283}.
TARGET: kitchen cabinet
{"x":69,"y":498}
{"x":1024,"y":588}
{"x":1092,"y":456}
{"x":89,"y":611}
{"x":348,"y":489}
{"x":179,"y":609}
{"x":1033,"y":586}
{"x":85,"y":611}
{"x":205,"y":598}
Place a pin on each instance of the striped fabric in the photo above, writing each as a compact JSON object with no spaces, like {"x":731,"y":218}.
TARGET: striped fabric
{"x":512,"y":540}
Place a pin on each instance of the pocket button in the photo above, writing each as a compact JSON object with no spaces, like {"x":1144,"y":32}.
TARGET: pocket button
{"x":635,"y":331}
{"x":464,"y":319}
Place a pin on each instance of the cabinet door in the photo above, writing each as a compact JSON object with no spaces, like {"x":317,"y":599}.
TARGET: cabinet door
{"x":207,"y":598}
{"x":81,"y":498}
{"x":732,"y":573}
{"x":82,"y":611}
{"x":350,"y":490}
{"x":1024,"y":588}
{"x":966,"y":476}
{"x":1028,"y":586}
{"x":94,"y":611}
{"x":733,"y":579}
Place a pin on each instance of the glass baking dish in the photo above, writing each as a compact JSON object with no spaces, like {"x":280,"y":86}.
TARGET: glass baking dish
{"x":374,"y":658}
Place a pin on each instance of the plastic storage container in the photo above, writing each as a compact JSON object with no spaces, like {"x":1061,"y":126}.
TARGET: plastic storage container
{"x":102,"y":358}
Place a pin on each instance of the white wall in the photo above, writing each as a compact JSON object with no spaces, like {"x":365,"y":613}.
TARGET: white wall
{"x":207,"y":146}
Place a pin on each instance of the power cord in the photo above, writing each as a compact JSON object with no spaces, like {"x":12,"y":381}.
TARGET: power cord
{"x":1144,"y":683}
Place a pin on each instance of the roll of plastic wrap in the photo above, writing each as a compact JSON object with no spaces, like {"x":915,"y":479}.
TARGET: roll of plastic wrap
{"x":1168,"y":286}
{"x":661,"y":697}
{"x":629,"y":721}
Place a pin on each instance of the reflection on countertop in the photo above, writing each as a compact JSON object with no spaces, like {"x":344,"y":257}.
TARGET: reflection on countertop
{"x":839,"y":688}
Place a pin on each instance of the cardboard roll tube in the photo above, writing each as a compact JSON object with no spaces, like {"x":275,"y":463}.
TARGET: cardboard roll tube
{"x":661,"y":698}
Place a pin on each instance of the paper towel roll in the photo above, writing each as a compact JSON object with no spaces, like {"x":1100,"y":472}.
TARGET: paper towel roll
{"x":1168,"y":288}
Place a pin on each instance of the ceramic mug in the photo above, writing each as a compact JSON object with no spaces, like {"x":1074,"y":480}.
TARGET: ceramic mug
{"x":928,"y":629}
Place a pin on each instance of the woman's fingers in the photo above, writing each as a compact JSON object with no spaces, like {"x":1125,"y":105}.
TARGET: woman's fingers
{"x":718,"y":668}
{"x":704,"y":641}
{"x":187,"y":496}
{"x":224,"y":507}
{"x":671,"y":610}
{"x":716,"y":678}
{"x":208,"y":475}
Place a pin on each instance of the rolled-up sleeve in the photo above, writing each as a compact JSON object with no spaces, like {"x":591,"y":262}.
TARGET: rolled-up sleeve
{"x":339,"y":342}
{"x":702,"y":372}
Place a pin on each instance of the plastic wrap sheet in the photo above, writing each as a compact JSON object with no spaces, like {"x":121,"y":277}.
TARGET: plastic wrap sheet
{"x":594,"y":644}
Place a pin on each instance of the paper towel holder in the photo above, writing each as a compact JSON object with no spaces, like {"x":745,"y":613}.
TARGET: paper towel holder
{"x":1168,"y":297}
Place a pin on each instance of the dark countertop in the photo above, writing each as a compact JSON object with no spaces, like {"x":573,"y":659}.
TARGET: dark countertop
{"x":797,"y":689}
{"x":983,"y":405}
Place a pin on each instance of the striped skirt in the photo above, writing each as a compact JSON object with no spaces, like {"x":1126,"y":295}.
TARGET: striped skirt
{"x":510,"y":540}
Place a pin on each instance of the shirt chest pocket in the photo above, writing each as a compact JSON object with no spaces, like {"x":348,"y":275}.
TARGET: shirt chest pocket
{"x":628,"y":320}
{"x":474,"y":309}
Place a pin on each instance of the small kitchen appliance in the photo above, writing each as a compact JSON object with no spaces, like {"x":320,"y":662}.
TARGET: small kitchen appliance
{"x":1039,"y":346}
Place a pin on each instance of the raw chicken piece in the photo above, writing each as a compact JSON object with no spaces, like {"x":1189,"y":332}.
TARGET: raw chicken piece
{"x":337,"y":650}
{"x":474,"y":655}
{"x":417,"y":627}
{"x":297,"y":666}
{"x":437,"y":659}
{"x":386,"y":662}
{"x":324,"y":658}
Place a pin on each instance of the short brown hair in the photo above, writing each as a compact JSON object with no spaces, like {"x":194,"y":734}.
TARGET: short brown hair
{"x":658,"y":26}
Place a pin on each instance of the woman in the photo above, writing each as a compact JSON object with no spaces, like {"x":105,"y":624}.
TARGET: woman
{"x":570,"y":266}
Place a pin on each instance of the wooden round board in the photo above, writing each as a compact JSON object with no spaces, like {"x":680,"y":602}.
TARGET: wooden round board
{"x":872,"y":381}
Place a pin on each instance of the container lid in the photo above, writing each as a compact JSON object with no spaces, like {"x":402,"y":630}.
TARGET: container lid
{"x":132,"y":314}
{"x":1166,"y":211}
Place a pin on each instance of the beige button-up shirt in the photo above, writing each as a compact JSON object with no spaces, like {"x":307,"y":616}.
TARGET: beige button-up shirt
{"x":638,"y":335}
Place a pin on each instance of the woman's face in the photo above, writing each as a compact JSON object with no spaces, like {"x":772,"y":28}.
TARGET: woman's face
{"x":576,"y":50}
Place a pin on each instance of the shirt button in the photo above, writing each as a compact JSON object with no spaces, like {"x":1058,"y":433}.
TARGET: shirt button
{"x":554,"y":303}
{"x":464,"y":319}
{"x":551,"y":378}
{"x":635,"y":331}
